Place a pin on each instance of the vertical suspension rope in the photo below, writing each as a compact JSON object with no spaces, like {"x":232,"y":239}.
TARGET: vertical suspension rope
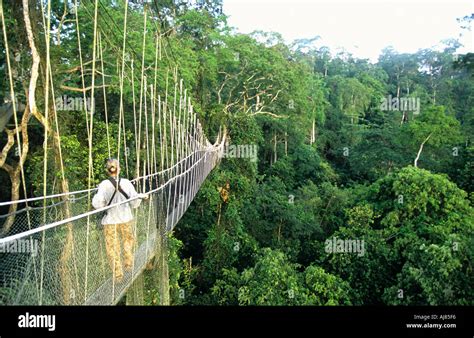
{"x":134,"y":115}
{"x":180,"y":141}
{"x":137,"y":174}
{"x":141,"y":89}
{"x":162,"y":138}
{"x":125,"y":145}
{"x":155,"y":85}
{"x":178,"y":157}
{"x":186,"y":150}
{"x":153,"y":136}
{"x":165,"y":113}
{"x":147,"y":161}
{"x":195,"y":147}
{"x":84,"y":96}
{"x":90,"y":167}
{"x":45,"y":144}
{"x":147,"y":136}
{"x":190,"y":149}
{"x":101,"y":56}
{"x":183,"y":152}
{"x":122,"y":70}
{"x":173,"y":133}
{"x":160,"y":121}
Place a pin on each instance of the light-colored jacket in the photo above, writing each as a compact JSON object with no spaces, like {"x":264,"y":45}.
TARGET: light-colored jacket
{"x":121,"y":213}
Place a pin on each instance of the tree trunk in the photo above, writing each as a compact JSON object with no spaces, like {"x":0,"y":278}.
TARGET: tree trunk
{"x":420,"y":150}
{"x":15,"y":196}
{"x":14,"y":171}
{"x":404,"y":117}
{"x":11,"y":173}
{"x":398,"y":83}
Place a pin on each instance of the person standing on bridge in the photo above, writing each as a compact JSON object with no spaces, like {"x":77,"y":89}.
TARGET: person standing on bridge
{"x":119,"y":219}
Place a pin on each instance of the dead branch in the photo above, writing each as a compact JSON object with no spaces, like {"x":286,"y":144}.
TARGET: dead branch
{"x":81,"y":90}
{"x":269,"y":113}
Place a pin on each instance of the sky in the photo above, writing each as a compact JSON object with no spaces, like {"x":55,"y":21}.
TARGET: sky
{"x":362,"y":27}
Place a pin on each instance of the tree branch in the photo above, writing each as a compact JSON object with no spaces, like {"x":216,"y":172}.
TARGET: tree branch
{"x":269,"y":113}
{"x":81,"y":90}
{"x":7,"y":147}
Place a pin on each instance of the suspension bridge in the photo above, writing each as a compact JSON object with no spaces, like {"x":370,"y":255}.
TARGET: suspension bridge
{"x":53,"y":249}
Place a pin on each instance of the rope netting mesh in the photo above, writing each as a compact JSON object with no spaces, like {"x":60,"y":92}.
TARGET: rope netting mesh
{"x":67,"y":263}
{"x":54,"y":249}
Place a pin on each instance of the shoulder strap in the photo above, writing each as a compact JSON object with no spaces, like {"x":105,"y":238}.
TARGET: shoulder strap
{"x":118,"y":187}
{"x":113,"y":195}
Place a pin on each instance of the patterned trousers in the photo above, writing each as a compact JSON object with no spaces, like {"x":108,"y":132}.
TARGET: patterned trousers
{"x":114,"y":235}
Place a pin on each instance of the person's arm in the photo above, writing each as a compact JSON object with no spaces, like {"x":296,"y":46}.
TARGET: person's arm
{"x":98,"y":201}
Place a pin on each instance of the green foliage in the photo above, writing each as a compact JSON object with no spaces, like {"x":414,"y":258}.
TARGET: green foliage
{"x":275,"y":281}
{"x":417,"y":232}
{"x":272,"y":281}
{"x":324,"y":288}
